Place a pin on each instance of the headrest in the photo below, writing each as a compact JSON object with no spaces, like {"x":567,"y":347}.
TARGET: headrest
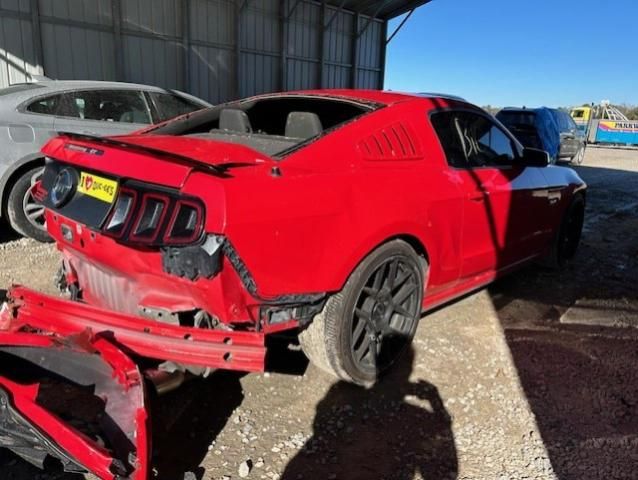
{"x":303,"y":125}
{"x":234,"y":120}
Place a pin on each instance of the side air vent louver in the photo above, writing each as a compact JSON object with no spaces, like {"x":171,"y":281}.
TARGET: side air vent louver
{"x":394,"y":142}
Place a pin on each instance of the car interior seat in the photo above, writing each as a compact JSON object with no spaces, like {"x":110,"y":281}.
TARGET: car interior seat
{"x":134,"y":116}
{"x":303,"y":125}
{"x":111,"y":111}
{"x":234,"y":120}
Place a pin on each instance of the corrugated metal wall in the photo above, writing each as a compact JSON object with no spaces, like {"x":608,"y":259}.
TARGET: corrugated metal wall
{"x":215,"y":49}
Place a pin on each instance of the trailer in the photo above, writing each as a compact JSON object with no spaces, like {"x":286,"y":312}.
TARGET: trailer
{"x":605,"y":124}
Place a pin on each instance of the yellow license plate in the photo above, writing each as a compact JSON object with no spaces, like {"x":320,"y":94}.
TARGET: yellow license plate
{"x":97,"y":187}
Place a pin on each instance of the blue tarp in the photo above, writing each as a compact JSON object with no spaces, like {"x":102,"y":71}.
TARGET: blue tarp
{"x":533,"y":127}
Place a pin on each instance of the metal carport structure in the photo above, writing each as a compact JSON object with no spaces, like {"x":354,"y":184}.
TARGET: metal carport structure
{"x":215,"y":49}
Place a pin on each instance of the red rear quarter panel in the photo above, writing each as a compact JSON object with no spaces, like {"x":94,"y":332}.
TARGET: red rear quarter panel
{"x":306,"y":230}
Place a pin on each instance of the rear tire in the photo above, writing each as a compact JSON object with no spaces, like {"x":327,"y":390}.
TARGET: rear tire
{"x":579,"y":157}
{"x":25,"y":215}
{"x":366,"y":327}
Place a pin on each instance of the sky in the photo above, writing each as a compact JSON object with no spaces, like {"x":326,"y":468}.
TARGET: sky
{"x":519,"y":53}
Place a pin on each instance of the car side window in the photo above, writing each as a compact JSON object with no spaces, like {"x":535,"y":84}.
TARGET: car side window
{"x":444,"y":124}
{"x":170,"y":106}
{"x":46,"y":106}
{"x":565,"y":122}
{"x":571,"y":125}
{"x":122,"y":106}
{"x":471,"y":140}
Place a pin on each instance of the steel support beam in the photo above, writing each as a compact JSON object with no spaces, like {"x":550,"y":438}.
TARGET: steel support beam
{"x":37,"y":35}
{"x":186,"y":44}
{"x":372,"y":18}
{"x":118,"y":44}
{"x":355,"y":51}
{"x":384,"y":47}
{"x":294,"y":7}
{"x":240,"y":6}
{"x":334,"y":15}
{"x":322,"y":44}
{"x":399,"y":27}
{"x":283,"y":42}
{"x":406,"y":8}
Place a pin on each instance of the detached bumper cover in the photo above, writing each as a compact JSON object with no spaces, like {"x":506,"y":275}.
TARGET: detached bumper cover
{"x":77,"y":401}
{"x":68,"y":393}
{"x":29,"y":310}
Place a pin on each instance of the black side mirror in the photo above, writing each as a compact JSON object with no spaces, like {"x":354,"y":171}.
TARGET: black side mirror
{"x":533,"y":157}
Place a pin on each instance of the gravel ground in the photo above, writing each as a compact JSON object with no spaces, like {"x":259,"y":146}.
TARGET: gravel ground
{"x":531,"y":378}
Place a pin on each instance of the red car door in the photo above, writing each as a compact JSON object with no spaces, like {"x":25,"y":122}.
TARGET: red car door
{"x":503,"y":201}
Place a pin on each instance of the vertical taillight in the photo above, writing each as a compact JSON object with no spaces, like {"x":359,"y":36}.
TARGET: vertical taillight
{"x":149,"y":219}
{"x":120,"y":215}
{"x":154,"y":218}
{"x":186,"y":223}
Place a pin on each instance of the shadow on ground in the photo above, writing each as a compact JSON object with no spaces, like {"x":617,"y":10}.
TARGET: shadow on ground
{"x":6,"y":233}
{"x":580,"y":377}
{"x":186,"y":421}
{"x":13,"y":467}
{"x":395,"y":430}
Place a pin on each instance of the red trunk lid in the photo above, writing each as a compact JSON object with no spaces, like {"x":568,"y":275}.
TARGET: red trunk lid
{"x":160,"y":159}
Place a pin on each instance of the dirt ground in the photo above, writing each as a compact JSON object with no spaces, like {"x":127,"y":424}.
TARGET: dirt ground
{"x":532,"y":378}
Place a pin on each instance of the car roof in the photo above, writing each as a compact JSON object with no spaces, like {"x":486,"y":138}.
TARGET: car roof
{"x":73,"y":84}
{"x":528,"y":110}
{"x":383,"y":97}
{"x":46,"y":87}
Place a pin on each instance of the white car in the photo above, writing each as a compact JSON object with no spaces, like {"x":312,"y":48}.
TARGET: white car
{"x":32,"y":113}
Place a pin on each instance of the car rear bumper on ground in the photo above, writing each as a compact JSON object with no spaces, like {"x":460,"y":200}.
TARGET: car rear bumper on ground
{"x":68,"y":393}
{"x":76,"y":401}
{"x":27,"y":309}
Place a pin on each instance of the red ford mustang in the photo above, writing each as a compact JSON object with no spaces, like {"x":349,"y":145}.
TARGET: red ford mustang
{"x":345,"y":214}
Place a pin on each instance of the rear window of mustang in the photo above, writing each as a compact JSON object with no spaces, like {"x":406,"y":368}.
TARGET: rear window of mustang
{"x":273,"y":125}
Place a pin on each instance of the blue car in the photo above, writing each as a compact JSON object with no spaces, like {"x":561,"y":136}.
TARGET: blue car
{"x":533,"y":127}
{"x":548,"y":129}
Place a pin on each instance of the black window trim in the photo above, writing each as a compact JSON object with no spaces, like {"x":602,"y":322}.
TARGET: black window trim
{"x":155,"y":115}
{"x":155,"y":109}
{"x":517,"y":147}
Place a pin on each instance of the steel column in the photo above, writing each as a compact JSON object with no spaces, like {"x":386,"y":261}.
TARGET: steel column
{"x":240,"y":6}
{"x":37,"y":35}
{"x":322,"y":44}
{"x":118,"y":44}
{"x":186,"y":39}
{"x":384,"y":48}
{"x":355,"y":51}
{"x":283,"y":42}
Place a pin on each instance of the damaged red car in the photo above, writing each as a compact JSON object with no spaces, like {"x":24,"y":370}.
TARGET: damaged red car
{"x":342,"y":214}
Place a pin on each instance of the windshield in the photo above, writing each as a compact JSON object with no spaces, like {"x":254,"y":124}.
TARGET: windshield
{"x":517,"y":119}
